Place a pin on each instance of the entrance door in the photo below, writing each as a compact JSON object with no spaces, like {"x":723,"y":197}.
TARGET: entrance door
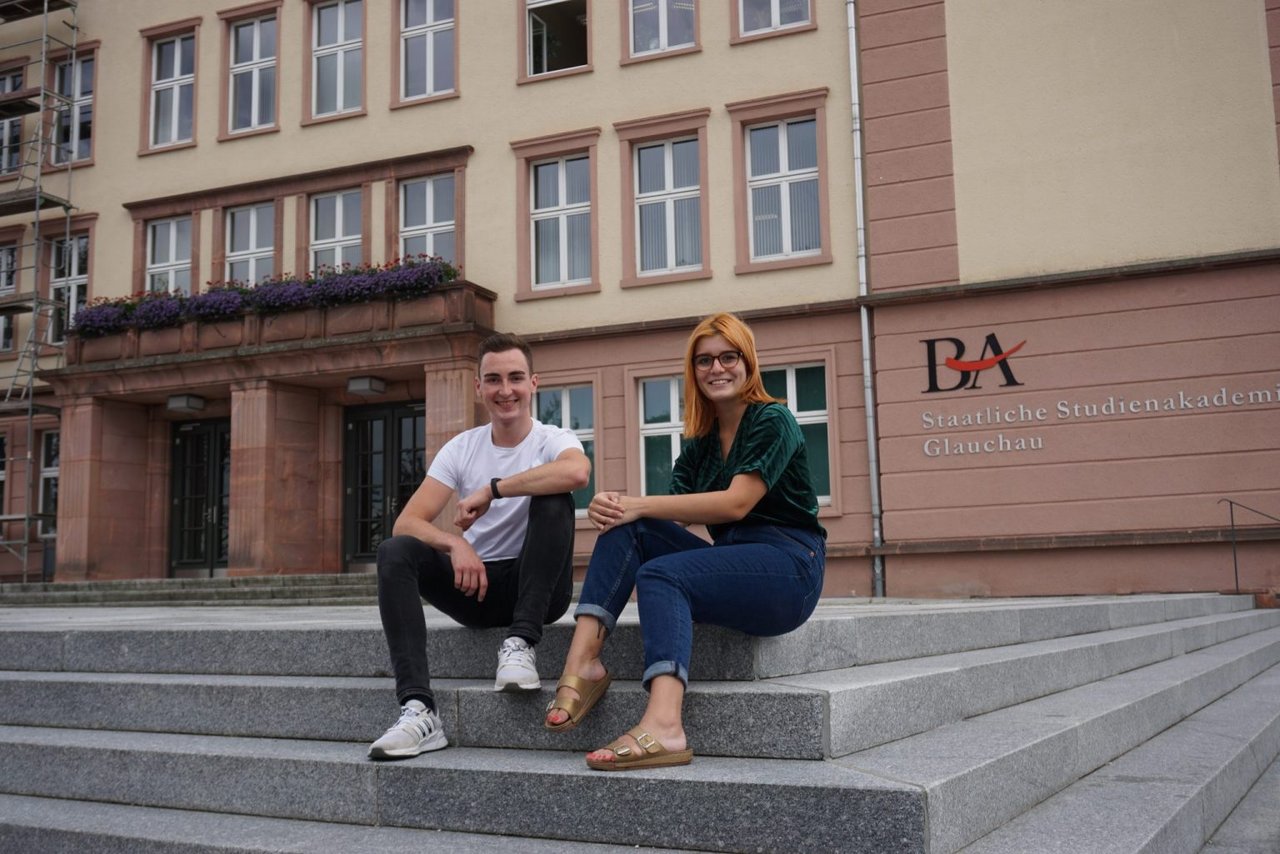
{"x":201,"y":498}
{"x":384,"y":458}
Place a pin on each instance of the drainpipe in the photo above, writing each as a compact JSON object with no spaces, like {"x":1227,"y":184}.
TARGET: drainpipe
{"x":868,"y":378}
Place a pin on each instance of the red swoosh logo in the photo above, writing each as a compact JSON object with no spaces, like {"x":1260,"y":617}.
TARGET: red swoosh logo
{"x":982,"y":364}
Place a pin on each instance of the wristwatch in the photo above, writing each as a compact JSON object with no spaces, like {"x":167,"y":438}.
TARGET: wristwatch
{"x":493,"y":487}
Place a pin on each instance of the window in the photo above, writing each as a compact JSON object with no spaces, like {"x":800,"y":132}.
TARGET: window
{"x":335,"y":229}
{"x":661,"y":423}
{"x":251,"y":243}
{"x":169,"y":256}
{"x":557,"y":35}
{"x":73,"y":117}
{"x":49,"y":453}
{"x":337,"y":57}
{"x":662,"y":25}
{"x":804,"y":388}
{"x":69,"y":283}
{"x":561,"y":224}
{"x":8,"y":276}
{"x":783,"y":188}
{"x":426,"y":48}
{"x":253,"y":74}
{"x":763,"y":16}
{"x":4,"y":465}
{"x":10,"y":129}
{"x":571,"y":407}
{"x":173,"y":75}
{"x":427,"y":224}
{"x":668,"y":206}
{"x":780,"y":158}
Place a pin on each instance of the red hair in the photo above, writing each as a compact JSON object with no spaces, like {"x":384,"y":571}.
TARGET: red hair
{"x":699,"y":414}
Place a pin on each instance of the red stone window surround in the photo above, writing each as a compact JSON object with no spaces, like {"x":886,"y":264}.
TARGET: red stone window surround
{"x":139,"y":275}
{"x":302,"y":239}
{"x":735,"y":24}
{"x":308,"y":71}
{"x":810,"y":102}
{"x":229,"y":19}
{"x":84,"y":51}
{"x":391,"y":246}
{"x":151,"y":36}
{"x":522,"y":54}
{"x":691,"y":123}
{"x":625,"y":32}
{"x":217,"y":200}
{"x":397,"y":63}
{"x":10,"y":66}
{"x":11,"y":237}
{"x":219,"y":248}
{"x":54,"y":229}
{"x":528,"y":153}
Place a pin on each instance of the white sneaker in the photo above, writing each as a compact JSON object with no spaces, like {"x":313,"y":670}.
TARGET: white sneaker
{"x":517,"y":667}
{"x":418,"y":731}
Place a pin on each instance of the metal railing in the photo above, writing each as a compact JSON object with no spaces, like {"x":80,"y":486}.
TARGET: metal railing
{"x":1231,"y":513}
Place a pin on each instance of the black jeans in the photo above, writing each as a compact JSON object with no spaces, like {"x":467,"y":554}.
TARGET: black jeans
{"x":524,"y":593}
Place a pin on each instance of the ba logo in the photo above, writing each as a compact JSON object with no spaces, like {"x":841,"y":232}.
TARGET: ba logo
{"x":967,"y":372}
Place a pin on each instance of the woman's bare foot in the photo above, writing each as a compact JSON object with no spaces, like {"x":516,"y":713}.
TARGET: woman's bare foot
{"x":592,"y":670}
{"x":670,"y":736}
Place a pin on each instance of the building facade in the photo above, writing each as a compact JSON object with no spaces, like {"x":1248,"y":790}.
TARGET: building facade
{"x":1013,"y":266}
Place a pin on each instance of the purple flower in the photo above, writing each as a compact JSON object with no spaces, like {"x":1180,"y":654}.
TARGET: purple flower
{"x":99,"y":319}
{"x":218,"y":303}
{"x":158,"y":311}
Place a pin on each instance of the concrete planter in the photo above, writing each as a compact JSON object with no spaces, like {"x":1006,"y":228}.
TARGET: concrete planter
{"x":220,"y":333}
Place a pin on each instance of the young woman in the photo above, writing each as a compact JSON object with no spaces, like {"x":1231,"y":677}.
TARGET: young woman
{"x":745,"y":475}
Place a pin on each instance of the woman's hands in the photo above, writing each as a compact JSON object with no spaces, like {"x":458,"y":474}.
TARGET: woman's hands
{"x":610,"y":509}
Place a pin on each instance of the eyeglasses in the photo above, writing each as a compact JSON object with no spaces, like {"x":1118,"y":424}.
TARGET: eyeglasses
{"x":727,"y":359}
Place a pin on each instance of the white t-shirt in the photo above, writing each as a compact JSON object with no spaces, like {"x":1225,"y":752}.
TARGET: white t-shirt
{"x":470,"y":460}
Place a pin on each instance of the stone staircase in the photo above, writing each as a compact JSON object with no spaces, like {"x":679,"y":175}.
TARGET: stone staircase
{"x":329,"y":589}
{"x":1090,"y":724}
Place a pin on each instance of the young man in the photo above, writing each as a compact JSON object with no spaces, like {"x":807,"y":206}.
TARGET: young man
{"x":513,"y":564}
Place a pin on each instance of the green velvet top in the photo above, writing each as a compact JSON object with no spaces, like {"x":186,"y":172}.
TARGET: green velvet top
{"x":768,"y":442}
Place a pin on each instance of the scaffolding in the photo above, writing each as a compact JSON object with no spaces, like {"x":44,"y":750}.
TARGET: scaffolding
{"x":42,"y":86}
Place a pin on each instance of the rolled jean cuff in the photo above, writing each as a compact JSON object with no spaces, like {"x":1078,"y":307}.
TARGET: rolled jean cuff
{"x":588,"y":610}
{"x":665,"y":668}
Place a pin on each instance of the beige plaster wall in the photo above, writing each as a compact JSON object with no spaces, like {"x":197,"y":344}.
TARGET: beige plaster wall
{"x":1099,"y":132}
{"x":493,"y":111}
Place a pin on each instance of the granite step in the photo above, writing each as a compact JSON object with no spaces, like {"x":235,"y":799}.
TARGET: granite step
{"x":829,"y":714}
{"x":985,"y":771}
{"x":55,"y":824}
{"x":715,"y":804}
{"x":340,"y":641}
{"x":1169,"y":794}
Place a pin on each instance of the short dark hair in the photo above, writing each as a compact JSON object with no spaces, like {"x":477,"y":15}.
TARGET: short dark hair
{"x":500,"y":342}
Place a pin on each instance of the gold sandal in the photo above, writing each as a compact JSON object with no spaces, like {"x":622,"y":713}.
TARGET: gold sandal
{"x":650,"y":755}
{"x":589,"y":693}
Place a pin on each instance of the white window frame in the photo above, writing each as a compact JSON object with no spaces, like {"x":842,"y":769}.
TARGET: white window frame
{"x":560,"y":211}
{"x":775,"y":18}
{"x":668,"y":197}
{"x":783,"y":179}
{"x":532,"y":24}
{"x":11,"y":129}
{"x":673,"y":428}
{"x":584,"y":434}
{"x":254,"y":254}
{"x":341,"y":240}
{"x":49,"y":464}
{"x":183,"y":44}
{"x":431,"y":229}
{"x":343,"y":50}
{"x":427,"y":31}
{"x":4,"y":468}
{"x":254,"y":66}
{"x":70,"y":106}
{"x":168,"y":268}
{"x":664,"y":26}
{"x":808,"y":416}
{"x":8,"y":285}
{"x":71,"y":290}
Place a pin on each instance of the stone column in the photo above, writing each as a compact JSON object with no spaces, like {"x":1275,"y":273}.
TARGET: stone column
{"x":450,"y":408}
{"x":276,"y":518}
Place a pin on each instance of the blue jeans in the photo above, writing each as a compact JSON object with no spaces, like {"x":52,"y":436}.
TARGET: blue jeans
{"x":759,"y":579}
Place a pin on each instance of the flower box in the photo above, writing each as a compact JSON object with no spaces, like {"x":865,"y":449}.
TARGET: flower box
{"x":158,"y":342}
{"x":220,"y":333}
